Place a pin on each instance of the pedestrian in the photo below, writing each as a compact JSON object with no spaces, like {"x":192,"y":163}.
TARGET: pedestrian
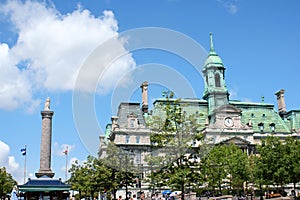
{"x":14,"y":194}
{"x":134,"y":197}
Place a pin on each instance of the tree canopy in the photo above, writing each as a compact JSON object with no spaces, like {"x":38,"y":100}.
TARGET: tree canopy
{"x":6,"y":181}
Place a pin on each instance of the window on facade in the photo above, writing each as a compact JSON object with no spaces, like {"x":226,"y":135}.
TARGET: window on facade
{"x":194,"y":143}
{"x":137,"y":139}
{"x":217,"y":80}
{"x":127,"y":139}
{"x":138,"y":157}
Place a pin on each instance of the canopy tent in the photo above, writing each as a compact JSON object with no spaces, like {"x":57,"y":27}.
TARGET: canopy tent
{"x":175,"y":193}
{"x":166,"y":192}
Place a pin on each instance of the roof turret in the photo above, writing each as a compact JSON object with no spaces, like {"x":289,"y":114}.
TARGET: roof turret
{"x":213,"y":58}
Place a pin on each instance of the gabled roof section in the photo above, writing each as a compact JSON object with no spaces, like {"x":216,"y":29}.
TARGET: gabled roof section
{"x":130,"y":109}
{"x":256,"y":113}
{"x":227,"y":109}
{"x":293,"y":118}
{"x":191,"y":106}
{"x":235,"y":140}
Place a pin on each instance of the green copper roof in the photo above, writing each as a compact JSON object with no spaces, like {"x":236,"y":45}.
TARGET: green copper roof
{"x":213,"y":58}
{"x":44,"y":184}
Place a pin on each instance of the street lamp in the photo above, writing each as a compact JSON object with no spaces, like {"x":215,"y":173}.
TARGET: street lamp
{"x":140,"y":170}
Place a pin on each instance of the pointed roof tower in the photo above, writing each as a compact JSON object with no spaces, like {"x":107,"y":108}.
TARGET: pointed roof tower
{"x":213,"y":58}
{"x":215,"y":91}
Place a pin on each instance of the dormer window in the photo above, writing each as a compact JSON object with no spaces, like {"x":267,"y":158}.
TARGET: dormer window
{"x":261,"y":126}
{"x":272,"y":127}
{"x":132,"y":120}
{"x":132,"y":123}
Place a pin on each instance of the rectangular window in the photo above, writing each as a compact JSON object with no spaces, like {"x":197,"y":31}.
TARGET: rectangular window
{"x":137,"y":139}
{"x":127,"y":139}
{"x":194,"y":143}
{"x":138,"y":157}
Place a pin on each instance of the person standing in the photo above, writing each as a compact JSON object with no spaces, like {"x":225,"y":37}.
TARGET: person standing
{"x":14,"y":193}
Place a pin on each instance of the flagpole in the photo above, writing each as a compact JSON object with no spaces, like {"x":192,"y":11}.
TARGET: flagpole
{"x":66,"y":153}
{"x":25,"y":163}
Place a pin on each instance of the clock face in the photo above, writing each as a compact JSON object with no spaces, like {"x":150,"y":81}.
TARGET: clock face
{"x":228,"y":122}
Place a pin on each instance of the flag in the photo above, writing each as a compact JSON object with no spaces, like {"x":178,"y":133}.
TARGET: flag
{"x":23,"y":151}
{"x":65,"y":151}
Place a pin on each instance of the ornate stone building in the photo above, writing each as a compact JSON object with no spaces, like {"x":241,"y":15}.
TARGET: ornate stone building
{"x":221,"y":120}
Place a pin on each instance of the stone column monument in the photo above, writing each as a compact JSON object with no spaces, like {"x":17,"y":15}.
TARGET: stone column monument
{"x":45,"y":155}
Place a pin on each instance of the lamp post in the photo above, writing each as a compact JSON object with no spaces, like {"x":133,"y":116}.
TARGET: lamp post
{"x":140,"y":170}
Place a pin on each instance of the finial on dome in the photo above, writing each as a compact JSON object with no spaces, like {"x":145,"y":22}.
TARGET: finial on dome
{"x":211,"y":43}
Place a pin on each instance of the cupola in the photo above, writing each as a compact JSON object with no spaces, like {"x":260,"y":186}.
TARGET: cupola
{"x":213,"y":59}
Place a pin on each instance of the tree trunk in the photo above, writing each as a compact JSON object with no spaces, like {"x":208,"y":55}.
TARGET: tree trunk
{"x":182,"y":190}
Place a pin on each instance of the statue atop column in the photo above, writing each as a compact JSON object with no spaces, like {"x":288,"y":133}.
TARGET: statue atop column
{"x":47,"y":104}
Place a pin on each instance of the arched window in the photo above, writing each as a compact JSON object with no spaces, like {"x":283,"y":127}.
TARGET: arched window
{"x":217,"y":80}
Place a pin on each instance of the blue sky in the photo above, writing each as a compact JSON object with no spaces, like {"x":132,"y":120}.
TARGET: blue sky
{"x":44,"y":45}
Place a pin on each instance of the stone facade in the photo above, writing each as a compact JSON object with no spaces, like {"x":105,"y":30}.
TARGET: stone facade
{"x":222,"y":120}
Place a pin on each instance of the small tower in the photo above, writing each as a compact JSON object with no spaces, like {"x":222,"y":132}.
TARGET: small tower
{"x":144,"y":88}
{"x":215,"y":91}
{"x":45,"y":155}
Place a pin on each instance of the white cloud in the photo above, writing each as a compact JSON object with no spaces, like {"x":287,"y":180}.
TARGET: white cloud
{"x":230,"y":5}
{"x":9,"y":162}
{"x":60,"y":148}
{"x":50,"y":49}
{"x":4,"y":149}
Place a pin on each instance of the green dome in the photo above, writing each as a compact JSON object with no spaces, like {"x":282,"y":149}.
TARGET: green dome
{"x":213,"y":59}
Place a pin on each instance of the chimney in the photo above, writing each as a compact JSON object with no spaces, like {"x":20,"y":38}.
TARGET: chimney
{"x":281,"y":102}
{"x":114,"y":122}
{"x":144,"y":87}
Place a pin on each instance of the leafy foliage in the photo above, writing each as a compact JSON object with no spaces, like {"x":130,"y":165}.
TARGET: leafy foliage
{"x":278,"y":162}
{"x":96,"y":175}
{"x":6,"y":181}
{"x":173,"y":134}
{"x":226,"y":165}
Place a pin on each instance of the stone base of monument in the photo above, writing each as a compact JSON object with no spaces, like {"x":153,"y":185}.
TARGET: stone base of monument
{"x":49,"y":174}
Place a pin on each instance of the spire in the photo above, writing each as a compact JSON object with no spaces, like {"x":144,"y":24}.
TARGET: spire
{"x":213,"y":58}
{"x":211,"y":43}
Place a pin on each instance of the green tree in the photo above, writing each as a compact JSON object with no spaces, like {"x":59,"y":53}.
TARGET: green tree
{"x":122,"y":171}
{"x":6,"y":181}
{"x":291,"y":159}
{"x":90,"y":177}
{"x":173,"y":133}
{"x":271,"y":164}
{"x":226,"y":164}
